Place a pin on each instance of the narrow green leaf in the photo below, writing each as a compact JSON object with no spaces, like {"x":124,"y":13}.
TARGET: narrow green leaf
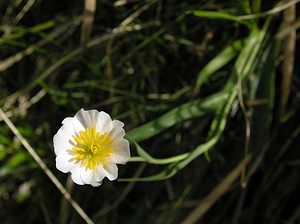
{"x":219,"y":15}
{"x":247,"y":58}
{"x":172,"y":169}
{"x":218,"y":62}
{"x":256,"y":6}
{"x":262,"y":113}
{"x":186,"y":111}
{"x":19,"y":32}
{"x":145,"y":157}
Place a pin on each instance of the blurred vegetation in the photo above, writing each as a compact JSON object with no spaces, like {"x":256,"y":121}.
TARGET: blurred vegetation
{"x":200,"y":86}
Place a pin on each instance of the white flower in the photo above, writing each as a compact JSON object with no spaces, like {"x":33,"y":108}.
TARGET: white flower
{"x":89,"y":145}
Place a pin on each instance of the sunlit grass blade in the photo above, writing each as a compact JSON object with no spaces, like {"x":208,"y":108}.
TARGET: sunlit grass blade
{"x":188,"y":110}
{"x":219,"y":15}
{"x":222,"y":59}
{"x":20,"y":32}
{"x":246,"y":60}
{"x":172,"y":169}
{"x":145,"y":157}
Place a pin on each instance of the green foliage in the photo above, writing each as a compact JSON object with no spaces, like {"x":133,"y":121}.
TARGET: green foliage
{"x":218,"y":15}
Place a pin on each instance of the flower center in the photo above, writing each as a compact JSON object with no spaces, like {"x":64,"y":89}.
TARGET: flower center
{"x":91,"y":148}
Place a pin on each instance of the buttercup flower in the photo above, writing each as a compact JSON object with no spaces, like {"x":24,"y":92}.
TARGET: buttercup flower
{"x":89,"y":145}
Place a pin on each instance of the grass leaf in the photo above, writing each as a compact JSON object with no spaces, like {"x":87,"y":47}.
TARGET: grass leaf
{"x":219,"y":15}
{"x":183,"y":112}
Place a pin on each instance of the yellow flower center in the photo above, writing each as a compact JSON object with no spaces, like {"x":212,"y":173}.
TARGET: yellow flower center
{"x":91,"y":148}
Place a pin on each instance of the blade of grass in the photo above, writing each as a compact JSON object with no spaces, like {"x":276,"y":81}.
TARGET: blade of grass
{"x":20,"y":32}
{"x":289,"y":57}
{"x":24,"y":10}
{"x":278,"y":8}
{"x":188,"y":110}
{"x":218,"y":62}
{"x":87,"y":21}
{"x":145,"y":157}
{"x":256,"y":6}
{"x":218,"y":15}
{"x":262,"y":114}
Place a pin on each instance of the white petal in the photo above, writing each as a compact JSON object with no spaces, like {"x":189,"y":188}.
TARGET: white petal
{"x":84,"y":118}
{"x":72,"y":125}
{"x":61,"y":139}
{"x":121,"y":152}
{"x":110,"y":170}
{"x":87,"y":118}
{"x":99,"y":174}
{"x":104,"y":122}
{"x":91,"y":177}
{"x":117,"y":131}
{"x":76,"y":177}
{"x":87,"y":175}
{"x":96,"y":184}
{"x":63,"y":162}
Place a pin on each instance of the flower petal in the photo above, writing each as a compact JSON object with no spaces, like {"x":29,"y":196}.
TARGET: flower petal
{"x":91,"y":177}
{"x":110,"y":170}
{"x":87,"y":117}
{"x":104,"y":122}
{"x":72,"y":125}
{"x":64,"y":162}
{"x":117,"y":131}
{"x":96,"y":184}
{"x":121,"y":152}
{"x":99,"y":174}
{"x":76,"y":177}
{"x":86,"y":175}
{"x":61,"y":139}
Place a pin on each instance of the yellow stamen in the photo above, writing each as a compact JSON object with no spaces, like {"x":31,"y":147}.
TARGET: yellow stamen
{"x":91,"y":148}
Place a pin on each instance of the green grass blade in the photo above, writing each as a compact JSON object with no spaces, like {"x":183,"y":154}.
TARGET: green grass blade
{"x":186,"y":111}
{"x":172,"y":169}
{"x":218,"y":62}
{"x":247,"y":58}
{"x":22,"y":31}
{"x":262,"y":113}
{"x":145,"y":157}
{"x":219,"y":15}
{"x":256,"y":6}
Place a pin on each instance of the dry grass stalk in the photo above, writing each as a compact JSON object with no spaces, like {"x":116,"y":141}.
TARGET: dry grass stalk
{"x":87,"y":21}
{"x":289,"y":58}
